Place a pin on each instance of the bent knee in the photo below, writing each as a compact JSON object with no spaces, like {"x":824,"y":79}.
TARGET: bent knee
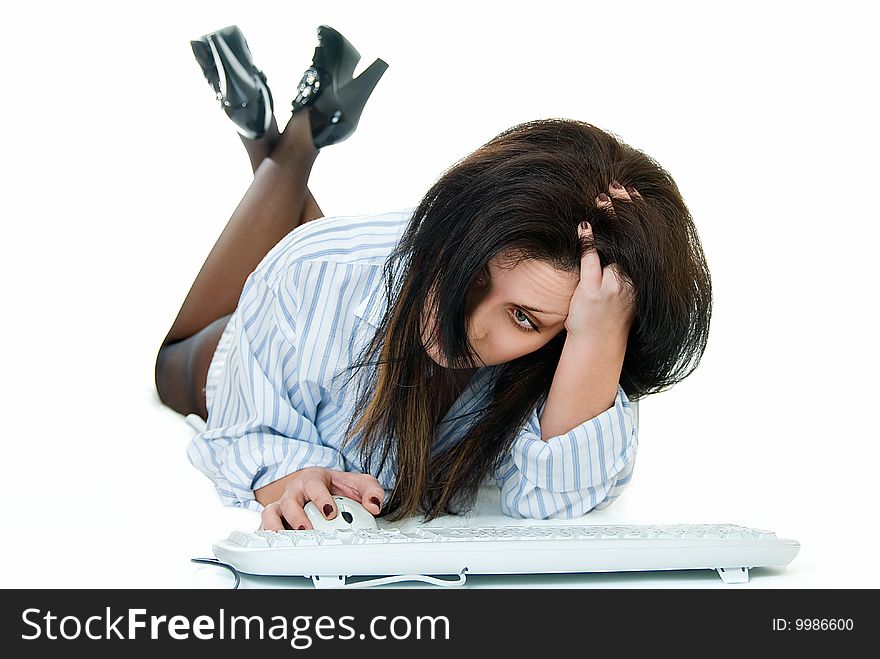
{"x":173,"y":376}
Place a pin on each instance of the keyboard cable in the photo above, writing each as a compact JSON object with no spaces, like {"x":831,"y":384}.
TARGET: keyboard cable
{"x":214,"y":561}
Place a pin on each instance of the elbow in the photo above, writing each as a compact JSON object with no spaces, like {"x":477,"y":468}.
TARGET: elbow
{"x":543,"y":505}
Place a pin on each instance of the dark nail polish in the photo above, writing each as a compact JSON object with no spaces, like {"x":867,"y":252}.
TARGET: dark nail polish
{"x":603,"y":197}
{"x":616,"y":185}
{"x":301,"y":527}
{"x":375,"y":502}
{"x":328,"y":510}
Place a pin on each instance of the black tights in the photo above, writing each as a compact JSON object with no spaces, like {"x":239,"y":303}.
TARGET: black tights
{"x":276,"y":202}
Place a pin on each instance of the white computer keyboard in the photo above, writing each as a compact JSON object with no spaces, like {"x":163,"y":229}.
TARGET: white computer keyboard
{"x":329,"y":557}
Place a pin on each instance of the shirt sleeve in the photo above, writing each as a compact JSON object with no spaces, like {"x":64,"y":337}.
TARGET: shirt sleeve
{"x":571,"y":474}
{"x":254,"y":434}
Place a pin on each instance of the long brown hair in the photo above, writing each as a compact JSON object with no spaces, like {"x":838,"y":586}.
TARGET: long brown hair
{"x":526,"y":190}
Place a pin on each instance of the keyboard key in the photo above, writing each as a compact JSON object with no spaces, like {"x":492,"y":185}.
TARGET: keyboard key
{"x":631,"y":532}
{"x":490,"y":533}
{"x":520,"y":533}
{"x":396,"y":536}
{"x":274,"y":538}
{"x":281,"y":539}
{"x":451,"y":535}
{"x":368,"y":537}
{"x":329,"y":538}
{"x":248,"y":539}
{"x":306,"y":538}
{"x":564,"y":532}
{"x":420,"y":535}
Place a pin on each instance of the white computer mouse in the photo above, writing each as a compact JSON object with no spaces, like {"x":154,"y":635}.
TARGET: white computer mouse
{"x":350,"y":515}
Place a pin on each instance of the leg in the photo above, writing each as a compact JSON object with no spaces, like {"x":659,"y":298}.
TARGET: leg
{"x":259,"y":149}
{"x":182,"y":369}
{"x":270,"y":209}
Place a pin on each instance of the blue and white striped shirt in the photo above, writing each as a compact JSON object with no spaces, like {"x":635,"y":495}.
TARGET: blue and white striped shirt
{"x":304,"y":315}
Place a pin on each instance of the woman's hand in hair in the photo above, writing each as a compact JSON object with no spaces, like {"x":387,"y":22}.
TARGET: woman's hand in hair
{"x":318,"y":485}
{"x":602,"y":305}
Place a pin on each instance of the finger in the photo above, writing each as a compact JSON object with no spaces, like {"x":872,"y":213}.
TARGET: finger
{"x":591,"y":268}
{"x":291,"y":505}
{"x":603,"y":203}
{"x":617,"y":191}
{"x":316,"y":491}
{"x":270,"y":518}
{"x":373,"y":497}
{"x":613,"y":282}
{"x":353,"y":480}
{"x":617,"y":285}
{"x":633,"y":192}
{"x":368,"y":490}
{"x":343,"y":489}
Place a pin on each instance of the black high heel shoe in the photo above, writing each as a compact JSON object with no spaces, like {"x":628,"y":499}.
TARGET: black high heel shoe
{"x":240,"y":86}
{"x":334,"y":100}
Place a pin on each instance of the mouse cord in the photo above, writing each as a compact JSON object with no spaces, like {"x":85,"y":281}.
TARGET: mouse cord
{"x":214,"y":561}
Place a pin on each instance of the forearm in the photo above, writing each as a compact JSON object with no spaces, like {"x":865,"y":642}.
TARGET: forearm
{"x":585,"y":383}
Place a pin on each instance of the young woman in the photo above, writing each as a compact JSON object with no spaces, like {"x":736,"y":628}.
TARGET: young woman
{"x":504,"y":328}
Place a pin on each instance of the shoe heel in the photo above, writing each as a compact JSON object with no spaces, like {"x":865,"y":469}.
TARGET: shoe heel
{"x":341,"y":121}
{"x":365,"y":83}
{"x":354,"y":96}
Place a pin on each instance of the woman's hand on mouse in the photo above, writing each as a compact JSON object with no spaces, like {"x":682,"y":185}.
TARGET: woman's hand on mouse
{"x":602,"y":305}
{"x":318,"y":485}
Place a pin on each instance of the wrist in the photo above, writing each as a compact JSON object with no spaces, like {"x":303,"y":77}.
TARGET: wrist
{"x":585,"y":383}
{"x":603,"y":341}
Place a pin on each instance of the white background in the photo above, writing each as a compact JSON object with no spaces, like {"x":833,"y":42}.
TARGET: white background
{"x":119,"y":171}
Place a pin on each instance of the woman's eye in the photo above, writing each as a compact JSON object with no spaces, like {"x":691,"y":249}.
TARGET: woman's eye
{"x":528,"y":325}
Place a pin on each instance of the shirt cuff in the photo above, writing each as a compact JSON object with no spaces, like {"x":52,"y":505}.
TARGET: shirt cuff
{"x":589,"y":455}
{"x":298,"y":455}
{"x":256,"y":460}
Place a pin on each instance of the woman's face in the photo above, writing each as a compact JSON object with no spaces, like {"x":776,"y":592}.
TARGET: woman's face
{"x":502,"y":320}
